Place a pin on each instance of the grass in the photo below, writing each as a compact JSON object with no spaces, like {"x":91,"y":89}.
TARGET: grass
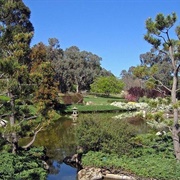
{"x":102,"y":100}
{"x":92,"y":108}
{"x":94,"y":103}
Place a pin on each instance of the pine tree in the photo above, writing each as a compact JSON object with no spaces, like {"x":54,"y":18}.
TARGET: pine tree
{"x":16,"y":32}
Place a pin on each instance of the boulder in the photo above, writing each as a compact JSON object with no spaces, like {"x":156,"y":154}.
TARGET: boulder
{"x":119,"y":176}
{"x":90,"y":173}
{"x":73,"y":161}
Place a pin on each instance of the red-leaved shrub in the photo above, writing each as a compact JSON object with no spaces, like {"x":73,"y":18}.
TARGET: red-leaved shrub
{"x":72,"y":98}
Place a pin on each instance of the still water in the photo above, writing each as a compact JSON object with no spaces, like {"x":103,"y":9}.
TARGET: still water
{"x":64,"y":172}
{"x":59,"y":141}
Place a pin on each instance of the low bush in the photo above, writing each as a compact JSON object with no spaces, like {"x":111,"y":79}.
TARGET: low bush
{"x":149,"y":144}
{"x":152,"y":166}
{"x":104,"y":134}
{"x":25,"y":165}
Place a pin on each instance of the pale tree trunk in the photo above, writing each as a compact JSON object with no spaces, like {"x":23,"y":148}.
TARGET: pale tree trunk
{"x":14,"y":139}
{"x":175,"y":128}
{"x":77,"y":88}
{"x":77,"y":85}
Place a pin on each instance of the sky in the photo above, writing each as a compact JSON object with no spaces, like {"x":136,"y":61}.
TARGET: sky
{"x":112,"y":29}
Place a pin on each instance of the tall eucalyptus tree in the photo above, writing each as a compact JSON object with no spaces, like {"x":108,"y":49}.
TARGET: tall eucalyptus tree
{"x":80,"y":68}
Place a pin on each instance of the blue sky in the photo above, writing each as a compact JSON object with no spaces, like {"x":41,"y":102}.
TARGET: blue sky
{"x":111,"y":29}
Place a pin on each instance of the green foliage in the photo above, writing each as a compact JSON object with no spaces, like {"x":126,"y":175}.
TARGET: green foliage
{"x":4,"y":99}
{"x":158,"y":116}
{"x":104,"y":134}
{"x":25,"y":165}
{"x":146,"y":166}
{"x":150,"y":144}
{"x":78,"y":69}
{"x":43,"y":76}
{"x":140,"y":71}
{"x":151,"y":157}
{"x":161,"y":62}
{"x":154,"y":166}
{"x":107,"y":85}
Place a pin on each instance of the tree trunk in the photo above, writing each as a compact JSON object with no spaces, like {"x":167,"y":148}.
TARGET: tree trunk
{"x":14,"y":142}
{"x":176,"y":128}
{"x":77,"y":88}
{"x":12,"y":118}
{"x":14,"y":139}
{"x":175,"y":132}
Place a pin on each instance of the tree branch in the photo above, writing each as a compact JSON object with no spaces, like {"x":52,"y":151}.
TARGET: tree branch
{"x":163,"y":38}
{"x":34,"y":137}
{"x":161,"y":84}
{"x":32,"y":117}
{"x":1,"y":75}
{"x":167,"y":33}
{"x":164,"y":52}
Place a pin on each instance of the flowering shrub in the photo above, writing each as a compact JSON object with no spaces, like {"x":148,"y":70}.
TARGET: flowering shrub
{"x":130,"y":97}
{"x":138,"y":92}
{"x":130,"y":105}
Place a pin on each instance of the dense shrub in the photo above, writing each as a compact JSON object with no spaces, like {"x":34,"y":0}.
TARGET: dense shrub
{"x":25,"y":165}
{"x":73,"y":98}
{"x":106,"y":135}
{"x":149,"y":166}
{"x":131,"y":98}
{"x":135,"y":93}
{"x":150,"y":144}
{"x":151,"y":157}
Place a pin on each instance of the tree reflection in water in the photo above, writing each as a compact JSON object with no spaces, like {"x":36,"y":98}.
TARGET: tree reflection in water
{"x":59,"y":141}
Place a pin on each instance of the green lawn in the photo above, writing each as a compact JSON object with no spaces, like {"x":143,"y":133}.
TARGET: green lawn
{"x":94,"y":103}
{"x":102,"y":100}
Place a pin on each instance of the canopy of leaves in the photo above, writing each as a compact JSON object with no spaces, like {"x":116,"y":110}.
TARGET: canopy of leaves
{"x":107,"y":85}
{"x":16,"y":32}
{"x":43,"y":76}
{"x":77,"y":69}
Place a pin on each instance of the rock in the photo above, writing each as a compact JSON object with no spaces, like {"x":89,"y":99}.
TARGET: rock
{"x":119,"y":176}
{"x":46,"y":166}
{"x":89,"y":103}
{"x":90,"y":174}
{"x":3,"y":123}
{"x":73,"y":161}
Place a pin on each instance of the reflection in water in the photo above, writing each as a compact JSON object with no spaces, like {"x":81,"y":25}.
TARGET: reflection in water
{"x":64,"y":172}
{"x":59,"y":141}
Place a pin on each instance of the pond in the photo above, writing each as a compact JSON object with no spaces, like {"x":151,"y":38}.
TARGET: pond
{"x":59,"y":141}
